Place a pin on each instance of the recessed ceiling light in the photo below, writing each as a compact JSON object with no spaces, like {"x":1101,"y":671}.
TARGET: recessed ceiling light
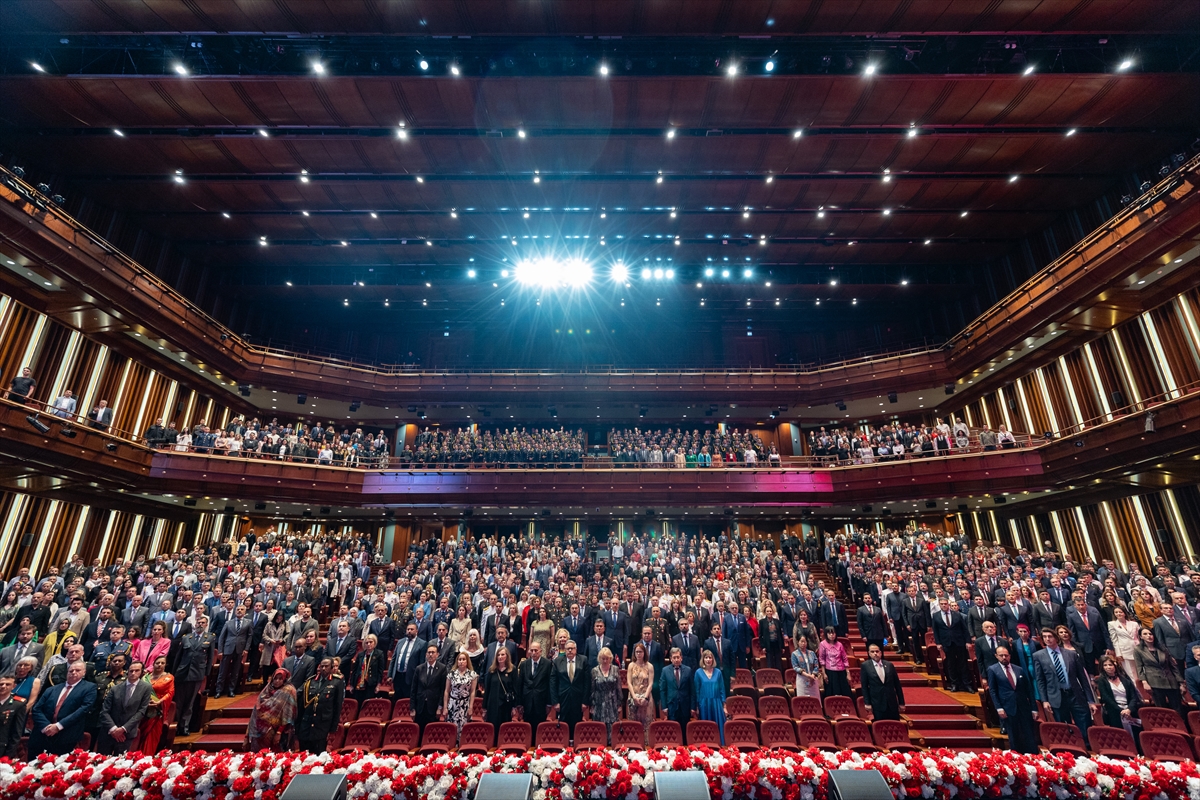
{"x":318,"y":67}
{"x":731,"y":70}
{"x":670,"y":133}
{"x":869,"y":70}
{"x":604,"y":69}
{"x":963,"y":214}
{"x":374,"y":215}
{"x":1124,"y":65}
{"x":305,"y":213}
{"x":769,"y":66}
{"x":904,"y":281}
{"x":796,"y":134}
{"x":1013,"y":178}
{"x":263,"y":133}
{"x":225,"y":214}
{"x":119,"y":132}
{"x":928,"y":241}
{"x":521,"y":133}
{"x":454,"y":70}
{"x":181,"y":69}
{"x":887,"y":212}
{"x":423,"y":64}
{"x":420,"y":179}
{"x":1029,"y":70}
{"x":1071,"y":132}
{"x":37,"y":66}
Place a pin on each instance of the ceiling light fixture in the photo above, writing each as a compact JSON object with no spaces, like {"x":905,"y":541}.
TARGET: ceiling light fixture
{"x":887,"y":212}
{"x":731,"y":70}
{"x":670,"y":133}
{"x":619,"y":273}
{"x":796,"y":134}
{"x":38,"y":66}
{"x":1124,"y":65}
{"x":304,"y":176}
{"x":912,"y":131}
{"x":423,"y":64}
{"x":1071,"y":132}
{"x":520,"y":133}
{"x":1029,"y":70}
{"x":225,"y":214}
{"x":471,"y":273}
{"x":552,"y":273}
{"x":263,"y":133}
{"x":420,"y":179}
{"x":178,"y":177}
{"x":119,"y":132}
{"x":603,"y":68}
{"x":887,"y":176}
{"x":769,"y":66}
{"x":1012,"y":178}
{"x":181,"y":69}
{"x":869,"y":71}
{"x":454,"y":70}
{"x":318,"y":68}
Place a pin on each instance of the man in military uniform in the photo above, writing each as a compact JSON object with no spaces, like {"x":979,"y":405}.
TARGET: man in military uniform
{"x":113,"y":675}
{"x":320,"y":701}
{"x":116,"y":643}
{"x":192,"y":670}
{"x":12,"y":719}
{"x":659,"y":630}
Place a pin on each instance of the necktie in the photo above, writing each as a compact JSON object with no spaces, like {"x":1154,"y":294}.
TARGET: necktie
{"x":718,"y":649}
{"x":571,"y":670}
{"x":1083,"y":615}
{"x":431,"y":670}
{"x":1059,"y":668}
{"x":992,"y":642}
{"x":947,"y":619}
{"x":677,"y":677}
{"x":62,"y":697}
{"x":20,"y":653}
{"x":879,"y":669}
{"x":833,"y":613}
{"x":176,"y":633}
{"x":1011,"y":678}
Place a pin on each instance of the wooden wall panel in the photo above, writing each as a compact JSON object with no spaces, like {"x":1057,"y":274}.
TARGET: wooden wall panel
{"x":1141,"y":363}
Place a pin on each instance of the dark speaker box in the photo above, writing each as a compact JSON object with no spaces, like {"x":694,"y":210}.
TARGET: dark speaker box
{"x":316,"y":787}
{"x":999,"y":498}
{"x":40,"y":426}
{"x":858,"y":784}
{"x":260,"y":506}
{"x":689,"y":785}
{"x":1118,"y":400}
{"x":189,"y":501}
{"x":504,"y":786}
{"x":931,"y":503}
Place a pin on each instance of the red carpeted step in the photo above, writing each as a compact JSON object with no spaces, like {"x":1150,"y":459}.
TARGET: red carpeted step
{"x":956,"y":739}
{"x":226,"y":726}
{"x":943,"y":721}
{"x":213,"y":744}
{"x":240,"y":707}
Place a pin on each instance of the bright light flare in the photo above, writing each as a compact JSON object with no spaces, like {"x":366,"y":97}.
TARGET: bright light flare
{"x":550,"y":273}
{"x":620,"y":273}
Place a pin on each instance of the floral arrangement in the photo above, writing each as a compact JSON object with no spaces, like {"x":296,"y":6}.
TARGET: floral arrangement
{"x":600,"y":775}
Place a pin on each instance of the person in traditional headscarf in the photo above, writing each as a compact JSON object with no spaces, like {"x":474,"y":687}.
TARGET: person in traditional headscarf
{"x":274,"y":714}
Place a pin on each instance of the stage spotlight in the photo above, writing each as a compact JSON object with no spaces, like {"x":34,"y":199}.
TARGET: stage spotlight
{"x":67,"y":432}
{"x":110,"y":447}
{"x":423,"y":64}
{"x":646,"y":273}
{"x":37,"y":424}
{"x":773,"y":414}
{"x":949,"y":388}
{"x":643,"y":410}
{"x":421,"y":415}
{"x":769,"y":66}
{"x":355,"y":405}
{"x":550,"y":273}
{"x":412,"y":409}
{"x":244,"y":389}
{"x":301,"y":399}
{"x":708,"y":273}
{"x":553,"y":411}
{"x":658,"y":274}
{"x":841,"y":405}
{"x":620,"y":273}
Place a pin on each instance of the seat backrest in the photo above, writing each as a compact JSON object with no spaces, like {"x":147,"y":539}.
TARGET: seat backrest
{"x":777,"y":733}
{"x":789,"y":677}
{"x":772,"y":706}
{"x":815,"y":731}
{"x":740,"y":706}
{"x":626,"y":733}
{"x":806,"y":707}
{"x":703,"y":733}
{"x":364,"y":735}
{"x":402,"y":709}
{"x":768,"y":677}
{"x":837,"y":706}
{"x":743,"y":675}
{"x":440,"y":734}
{"x":1166,"y":745}
{"x":593,"y":734}
{"x":515,"y":735}
{"x":1193,"y":722}
{"x":553,"y":734}
{"x":402,"y":733}
{"x":851,"y":731}
{"x":888,"y":732}
{"x":1161,"y":719}
{"x":1102,"y":737}
{"x":349,"y":711}
{"x":1060,"y":733}
{"x":665,"y":733}
{"x":740,"y":732}
{"x":376,"y":708}
{"x":478,"y":735}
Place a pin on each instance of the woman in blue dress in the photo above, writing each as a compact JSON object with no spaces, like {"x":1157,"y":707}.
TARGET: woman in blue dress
{"x":709,"y":692}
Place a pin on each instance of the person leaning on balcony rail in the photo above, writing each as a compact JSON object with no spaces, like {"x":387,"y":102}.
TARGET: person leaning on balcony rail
{"x":22,"y":386}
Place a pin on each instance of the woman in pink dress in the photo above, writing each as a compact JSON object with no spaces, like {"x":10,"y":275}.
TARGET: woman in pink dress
{"x":147,"y":651}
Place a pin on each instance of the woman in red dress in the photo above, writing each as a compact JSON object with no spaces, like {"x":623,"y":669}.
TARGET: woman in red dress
{"x":163,"y":684}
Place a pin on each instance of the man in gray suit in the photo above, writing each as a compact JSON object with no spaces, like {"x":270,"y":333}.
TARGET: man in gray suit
{"x":136,"y":615}
{"x":1173,"y":634}
{"x":302,"y":626}
{"x":124,"y":708}
{"x":1063,"y":685}
{"x":23,"y":646}
{"x":232,"y":642}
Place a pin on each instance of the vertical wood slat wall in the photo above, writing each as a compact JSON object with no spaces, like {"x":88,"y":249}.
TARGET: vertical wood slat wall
{"x":1153,"y":355}
{"x":63,"y":359}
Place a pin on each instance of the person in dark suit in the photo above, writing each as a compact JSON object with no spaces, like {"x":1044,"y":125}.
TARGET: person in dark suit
{"x":771,"y":633}
{"x":177,"y":628}
{"x":428,"y":688}
{"x":502,"y":642}
{"x":689,"y":646}
{"x":447,"y":647}
{"x":916,"y":619}
{"x":12,"y":719}
{"x":60,"y":714}
{"x":570,"y":686}
{"x":1191,"y":675}
{"x":978,"y":615}
{"x":301,"y":664}
{"x":533,"y":686}
{"x":722,"y":650}
{"x":576,"y":626}
{"x":833,"y":615}
{"x":258,"y":627}
{"x":654,"y":651}
{"x":1014,"y":612}
{"x":1118,"y":713}
{"x":881,"y":685}
{"x":1011,"y":690}
{"x":871,"y":624}
{"x":1063,"y":685}
{"x":985,"y":648}
{"x":406,"y":658}
{"x":342,"y":648}
{"x":950,"y":632}
{"x":367,"y":671}
{"x":675,"y":690}
{"x":1089,"y":632}
{"x":98,"y":630}
{"x":597,"y":642}
{"x":384,"y":628}
{"x":1046,"y":614}
{"x":232,"y":642}
{"x":195,"y":665}
{"x":23,"y":646}
{"x":124,"y":709}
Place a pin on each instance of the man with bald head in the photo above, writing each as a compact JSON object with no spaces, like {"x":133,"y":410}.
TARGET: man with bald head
{"x":60,"y":714}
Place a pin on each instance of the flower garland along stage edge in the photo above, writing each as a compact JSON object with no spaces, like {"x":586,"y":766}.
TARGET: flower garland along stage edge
{"x":609,"y":775}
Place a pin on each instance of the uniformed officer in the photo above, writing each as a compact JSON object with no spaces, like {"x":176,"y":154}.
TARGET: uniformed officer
{"x":195,"y":663}
{"x":12,"y":719}
{"x":114,"y":675}
{"x":320,"y":707}
{"x":116,"y":643}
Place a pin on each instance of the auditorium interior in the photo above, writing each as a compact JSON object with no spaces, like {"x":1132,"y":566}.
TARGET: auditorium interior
{"x":831,"y":289}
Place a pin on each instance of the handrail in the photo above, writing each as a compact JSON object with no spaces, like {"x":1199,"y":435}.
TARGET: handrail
{"x":1141,"y":406}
